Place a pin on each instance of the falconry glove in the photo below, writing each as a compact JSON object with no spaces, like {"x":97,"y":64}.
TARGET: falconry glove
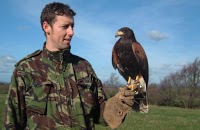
{"x":118,"y":106}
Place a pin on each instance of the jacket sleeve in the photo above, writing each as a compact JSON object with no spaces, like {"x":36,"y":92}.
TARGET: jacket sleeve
{"x":14,"y":115}
{"x":101,"y":100}
{"x":99,"y":94}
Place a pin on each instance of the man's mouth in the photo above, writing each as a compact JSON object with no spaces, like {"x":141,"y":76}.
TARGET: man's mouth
{"x":67,"y":40}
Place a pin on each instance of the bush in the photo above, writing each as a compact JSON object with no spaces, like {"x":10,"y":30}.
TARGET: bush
{"x":4,"y":88}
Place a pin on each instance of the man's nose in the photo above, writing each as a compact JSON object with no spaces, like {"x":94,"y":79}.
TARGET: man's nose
{"x":70,"y":31}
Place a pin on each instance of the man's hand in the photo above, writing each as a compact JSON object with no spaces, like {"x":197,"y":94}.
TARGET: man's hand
{"x":118,"y":106}
{"x":126,"y":96}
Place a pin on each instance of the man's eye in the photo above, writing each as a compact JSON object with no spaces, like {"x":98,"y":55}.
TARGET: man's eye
{"x":65,"y":27}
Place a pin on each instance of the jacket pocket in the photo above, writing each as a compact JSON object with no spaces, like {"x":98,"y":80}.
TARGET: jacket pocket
{"x":87,"y":90}
{"x":36,"y":98}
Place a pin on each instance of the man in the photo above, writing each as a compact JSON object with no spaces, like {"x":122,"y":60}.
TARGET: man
{"x":53,"y":89}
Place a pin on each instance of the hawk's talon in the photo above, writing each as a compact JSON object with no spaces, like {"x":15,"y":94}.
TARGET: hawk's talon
{"x":135,"y":84}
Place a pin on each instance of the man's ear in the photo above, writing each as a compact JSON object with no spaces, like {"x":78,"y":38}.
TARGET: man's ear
{"x":46,"y":27}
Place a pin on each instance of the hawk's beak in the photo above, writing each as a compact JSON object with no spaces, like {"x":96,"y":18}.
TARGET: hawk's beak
{"x":119,"y":33}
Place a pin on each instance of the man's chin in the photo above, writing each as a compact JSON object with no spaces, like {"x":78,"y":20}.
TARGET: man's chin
{"x":65,"y":47}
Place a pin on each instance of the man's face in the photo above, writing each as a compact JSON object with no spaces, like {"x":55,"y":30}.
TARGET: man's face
{"x":60,"y":33}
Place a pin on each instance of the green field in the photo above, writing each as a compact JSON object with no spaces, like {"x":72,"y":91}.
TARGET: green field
{"x":2,"y":102}
{"x":163,"y":118}
{"x":158,"y":118}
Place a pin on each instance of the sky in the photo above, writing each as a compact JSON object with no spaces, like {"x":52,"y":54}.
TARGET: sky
{"x":168,"y":30}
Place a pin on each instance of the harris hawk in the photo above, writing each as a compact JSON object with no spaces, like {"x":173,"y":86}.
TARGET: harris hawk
{"x":129,"y":57}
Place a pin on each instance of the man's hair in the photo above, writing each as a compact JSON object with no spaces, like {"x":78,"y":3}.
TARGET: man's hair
{"x":50,"y":11}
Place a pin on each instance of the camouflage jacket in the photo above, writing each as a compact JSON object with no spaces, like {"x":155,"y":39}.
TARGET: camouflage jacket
{"x":53,"y":91}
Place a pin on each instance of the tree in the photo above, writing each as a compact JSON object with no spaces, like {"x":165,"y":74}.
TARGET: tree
{"x":113,"y":81}
{"x":111,"y":85}
{"x":182,"y":88}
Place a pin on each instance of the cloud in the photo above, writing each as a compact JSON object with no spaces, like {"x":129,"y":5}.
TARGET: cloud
{"x":157,"y":35}
{"x":7,"y":64}
{"x":160,"y":72}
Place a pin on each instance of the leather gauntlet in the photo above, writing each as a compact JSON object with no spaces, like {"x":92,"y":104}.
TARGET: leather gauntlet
{"x":118,"y":106}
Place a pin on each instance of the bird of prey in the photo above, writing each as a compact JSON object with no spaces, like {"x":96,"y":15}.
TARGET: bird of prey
{"x":129,"y":57}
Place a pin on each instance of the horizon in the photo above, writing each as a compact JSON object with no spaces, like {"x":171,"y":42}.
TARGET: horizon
{"x":167,"y":30}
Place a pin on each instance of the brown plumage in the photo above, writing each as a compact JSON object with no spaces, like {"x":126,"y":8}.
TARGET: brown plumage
{"x":128,"y":56}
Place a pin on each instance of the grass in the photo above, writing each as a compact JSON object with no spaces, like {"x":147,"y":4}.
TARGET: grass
{"x":2,"y":102}
{"x":158,"y":118}
{"x":162,"y":118}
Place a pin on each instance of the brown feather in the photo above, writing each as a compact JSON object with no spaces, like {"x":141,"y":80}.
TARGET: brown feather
{"x":129,"y":57}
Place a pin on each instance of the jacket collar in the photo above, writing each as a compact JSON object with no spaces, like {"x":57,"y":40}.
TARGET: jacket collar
{"x":60,"y":57}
